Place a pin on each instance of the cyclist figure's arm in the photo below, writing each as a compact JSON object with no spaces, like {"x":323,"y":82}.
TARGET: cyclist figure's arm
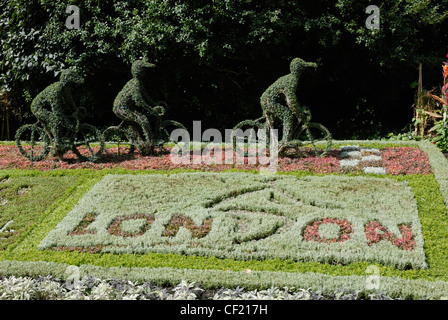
{"x":59,"y":108}
{"x":139,"y":98}
{"x":293,"y":103}
{"x":158,"y":108}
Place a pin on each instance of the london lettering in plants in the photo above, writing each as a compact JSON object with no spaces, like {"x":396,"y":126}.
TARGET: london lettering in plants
{"x":245,"y":216}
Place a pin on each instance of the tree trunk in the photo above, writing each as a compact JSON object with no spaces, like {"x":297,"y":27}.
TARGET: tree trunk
{"x":8,"y":137}
{"x":3,"y":125}
{"x":419,"y":128}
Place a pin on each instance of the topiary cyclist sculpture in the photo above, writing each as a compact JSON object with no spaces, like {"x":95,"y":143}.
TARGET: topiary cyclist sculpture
{"x":142,"y":126}
{"x":59,"y":128}
{"x":281,"y":108}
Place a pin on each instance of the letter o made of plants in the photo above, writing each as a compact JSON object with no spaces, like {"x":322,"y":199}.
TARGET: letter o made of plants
{"x":116,"y":226}
{"x":311,"y":231}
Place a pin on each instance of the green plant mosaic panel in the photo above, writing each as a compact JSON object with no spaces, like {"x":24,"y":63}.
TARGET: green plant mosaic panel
{"x":332,"y":219}
{"x":23,"y":200}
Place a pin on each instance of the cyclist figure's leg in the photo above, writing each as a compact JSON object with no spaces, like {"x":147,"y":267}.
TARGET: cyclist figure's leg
{"x":134,"y":116}
{"x":269,"y":113}
{"x":44,"y":118}
{"x":285,"y":116}
{"x":288,"y":124}
{"x":42,"y":115}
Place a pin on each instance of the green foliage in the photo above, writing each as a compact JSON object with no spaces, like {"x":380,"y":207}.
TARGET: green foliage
{"x":55,"y":109}
{"x":406,"y":136}
{"x":432,"y":109}
{"x":133,"y":98}
{"x":404,"y":35}
{"x":281,"y":92}
{"x":225,"y":48}
{"x":441,"y":138}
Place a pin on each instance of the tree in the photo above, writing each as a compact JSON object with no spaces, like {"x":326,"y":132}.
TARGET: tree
{"x":215,"y":58}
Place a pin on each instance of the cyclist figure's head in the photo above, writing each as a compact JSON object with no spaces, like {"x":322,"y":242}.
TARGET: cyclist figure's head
{"x":298,"y":65}
{"x":71,"y":78}
{"x":139,"y":68}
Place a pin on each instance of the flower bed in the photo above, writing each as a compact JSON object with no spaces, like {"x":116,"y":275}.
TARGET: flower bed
{"x":405,"y":160}
{"x":396,"y":160}
{"x":300,"y":228}
{"x":246,"y":216}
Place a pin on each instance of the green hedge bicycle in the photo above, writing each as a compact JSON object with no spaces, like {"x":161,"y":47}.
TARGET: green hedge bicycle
{"x":35,"y":142}
{"x":307,"y":135}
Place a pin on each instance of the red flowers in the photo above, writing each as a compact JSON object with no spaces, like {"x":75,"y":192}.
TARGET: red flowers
{"x":375,"y":232}
{"x":397,"y":161}
{"x":405,"y":160}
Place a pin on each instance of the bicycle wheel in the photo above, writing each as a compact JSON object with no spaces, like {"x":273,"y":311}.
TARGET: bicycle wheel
{"x":313,"y":138}
{"x":117,"y":142}
{"x":249,"y":134}
{"x":167,"y":128}
{"x":88,"y":143}
{"x":32,"y":142}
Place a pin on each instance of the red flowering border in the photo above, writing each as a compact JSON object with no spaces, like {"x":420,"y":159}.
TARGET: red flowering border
{"x":405,"y":160}
{"x":396,"y":161}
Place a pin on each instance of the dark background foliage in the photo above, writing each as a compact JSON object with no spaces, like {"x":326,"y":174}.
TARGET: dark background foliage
{"x":216,"y":57}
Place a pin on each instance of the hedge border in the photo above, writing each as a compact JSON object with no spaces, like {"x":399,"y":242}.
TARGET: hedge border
{"x":211,"y":279}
